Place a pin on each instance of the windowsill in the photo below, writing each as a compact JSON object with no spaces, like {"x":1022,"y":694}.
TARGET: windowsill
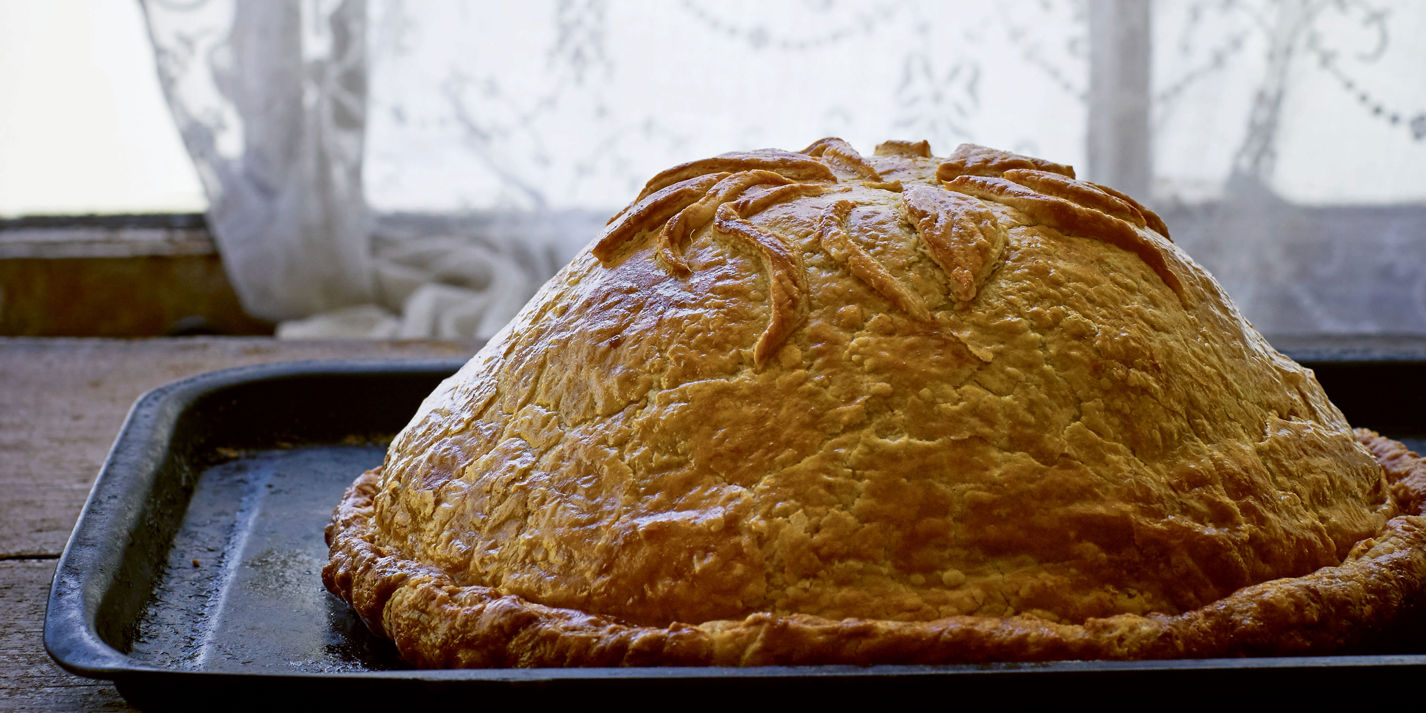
{"x":116,"y":276}
{"x":105,"y":236}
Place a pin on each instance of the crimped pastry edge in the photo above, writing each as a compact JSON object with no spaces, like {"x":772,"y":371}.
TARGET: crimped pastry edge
{"x":437,"y":623}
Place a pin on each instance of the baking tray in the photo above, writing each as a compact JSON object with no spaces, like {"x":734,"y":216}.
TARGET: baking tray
{"x":192,"y":574}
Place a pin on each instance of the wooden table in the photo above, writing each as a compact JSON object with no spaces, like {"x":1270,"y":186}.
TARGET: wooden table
{"x":62,"y":401}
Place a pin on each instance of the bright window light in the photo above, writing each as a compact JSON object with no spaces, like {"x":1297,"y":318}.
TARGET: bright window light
{"x":83,"y":124}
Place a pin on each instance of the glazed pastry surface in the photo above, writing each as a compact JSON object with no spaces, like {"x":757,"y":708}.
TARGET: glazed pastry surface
{"x":805,"y":407}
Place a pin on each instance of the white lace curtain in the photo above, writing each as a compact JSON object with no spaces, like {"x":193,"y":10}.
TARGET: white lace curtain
{"x":418,"y":168}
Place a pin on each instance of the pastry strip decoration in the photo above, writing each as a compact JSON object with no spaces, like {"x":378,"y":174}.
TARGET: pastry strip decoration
{"x":684,"y":207}
{"x":961,"y":235}
{"x":787,"y":282}
{"x":832,"y":234}
{"x":1155,"y":223}
{"x":915,"y":149}
{"x":1063,"y":214}
{"x":973,"y":160}
{"x":676,"y":231}
{"x":1080,"y":192}
{"x":797,"y":167}
{"x":840,"y":155}
{"x":654,"y":209}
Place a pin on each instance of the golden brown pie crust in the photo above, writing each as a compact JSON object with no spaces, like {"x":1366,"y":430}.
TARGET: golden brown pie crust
{"x":815,"y":407}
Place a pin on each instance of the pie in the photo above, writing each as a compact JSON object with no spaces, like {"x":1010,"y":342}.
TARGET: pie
{"x":823,"y":408}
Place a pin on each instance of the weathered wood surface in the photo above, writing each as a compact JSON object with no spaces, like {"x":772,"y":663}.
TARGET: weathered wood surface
{"x":62,"y":401}
{"x":29,"y":680}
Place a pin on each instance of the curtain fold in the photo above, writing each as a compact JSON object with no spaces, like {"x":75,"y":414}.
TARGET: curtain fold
{"x":270,"y":99}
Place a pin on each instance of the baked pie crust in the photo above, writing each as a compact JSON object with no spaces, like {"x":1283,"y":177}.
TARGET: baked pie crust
{"x":817,"y":408}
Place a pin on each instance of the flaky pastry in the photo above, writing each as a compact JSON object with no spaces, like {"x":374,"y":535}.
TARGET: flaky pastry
{"x":816,"y":407}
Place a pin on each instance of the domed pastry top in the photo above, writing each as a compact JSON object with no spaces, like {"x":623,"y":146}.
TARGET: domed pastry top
{"x":818,"y":407}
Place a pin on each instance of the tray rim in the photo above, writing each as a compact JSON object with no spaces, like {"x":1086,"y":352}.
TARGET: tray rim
{"x":85,"y":569}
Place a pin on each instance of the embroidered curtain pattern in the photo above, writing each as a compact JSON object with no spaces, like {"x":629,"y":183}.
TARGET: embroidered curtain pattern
{"x":418,"y":169}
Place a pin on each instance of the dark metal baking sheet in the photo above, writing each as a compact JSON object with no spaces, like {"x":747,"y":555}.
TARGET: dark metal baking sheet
{"x":193,"y":571}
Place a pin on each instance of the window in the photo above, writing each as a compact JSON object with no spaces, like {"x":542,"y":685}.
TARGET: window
{"x":83,"y":126}
{"x":442,"y":159}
